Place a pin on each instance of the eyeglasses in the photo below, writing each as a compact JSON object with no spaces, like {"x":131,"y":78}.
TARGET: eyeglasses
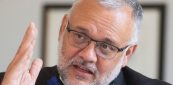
{"x":104,"y":50}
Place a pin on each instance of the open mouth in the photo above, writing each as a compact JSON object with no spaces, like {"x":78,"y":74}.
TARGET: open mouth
{"x":84,"y":69}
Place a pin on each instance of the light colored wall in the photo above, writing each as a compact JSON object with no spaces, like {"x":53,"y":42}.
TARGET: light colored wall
{"x":15,"y":16}
{"x":168,"y":68}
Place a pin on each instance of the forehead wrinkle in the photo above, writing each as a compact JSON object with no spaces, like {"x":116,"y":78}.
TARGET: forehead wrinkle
{"x":106,"y":20}
{"x":97,"y":15}
{"x":110,"y":27}
{"x":107,"y":37}
{"x":99,"y":18}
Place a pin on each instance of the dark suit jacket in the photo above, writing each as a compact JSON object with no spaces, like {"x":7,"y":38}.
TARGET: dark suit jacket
{"x":126,"y":77}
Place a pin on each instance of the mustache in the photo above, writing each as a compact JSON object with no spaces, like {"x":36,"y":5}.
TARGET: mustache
{"x":84,"y":63}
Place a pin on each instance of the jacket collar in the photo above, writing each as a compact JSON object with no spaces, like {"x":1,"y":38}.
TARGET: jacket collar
{"x":119,"y":80}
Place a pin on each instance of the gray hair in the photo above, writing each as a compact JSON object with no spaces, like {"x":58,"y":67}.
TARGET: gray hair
{"x":114,"y":4}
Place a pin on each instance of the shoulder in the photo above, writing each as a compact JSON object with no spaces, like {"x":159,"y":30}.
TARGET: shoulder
{"x":45,"y":74}
{"x":134,"y":78}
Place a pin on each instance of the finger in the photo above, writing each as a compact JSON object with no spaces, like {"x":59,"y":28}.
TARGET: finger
{"x":26,"y":66}
{"x":28,"y":38}
{"x":16,"y":70}
{"x":23,"y":58}
{"x":35,"y":68}
{"x":32,"y":25}
{"x":33,"y":43}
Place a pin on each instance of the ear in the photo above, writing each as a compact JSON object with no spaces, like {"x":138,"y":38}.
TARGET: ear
{"x":63,"y":26}
{"x":129,"y":53}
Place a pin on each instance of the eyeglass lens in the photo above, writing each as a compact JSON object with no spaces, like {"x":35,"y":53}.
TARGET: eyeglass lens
{"x":80,"y":40}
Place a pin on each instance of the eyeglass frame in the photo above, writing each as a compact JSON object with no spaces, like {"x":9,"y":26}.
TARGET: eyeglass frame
{"x":119,"y":49}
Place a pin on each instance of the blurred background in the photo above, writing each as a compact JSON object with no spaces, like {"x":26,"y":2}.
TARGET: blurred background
{"x":15,"y":16}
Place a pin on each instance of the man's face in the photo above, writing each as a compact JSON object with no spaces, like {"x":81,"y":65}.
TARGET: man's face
{"x":83,"y":66}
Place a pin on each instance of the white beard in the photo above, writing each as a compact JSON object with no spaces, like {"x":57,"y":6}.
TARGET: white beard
{"x":63,"y":66}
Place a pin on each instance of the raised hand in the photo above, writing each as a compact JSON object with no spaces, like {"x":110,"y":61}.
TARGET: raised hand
{"x":17,"y":72}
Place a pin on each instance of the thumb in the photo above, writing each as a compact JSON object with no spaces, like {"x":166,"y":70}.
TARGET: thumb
{"x":35,"y":68}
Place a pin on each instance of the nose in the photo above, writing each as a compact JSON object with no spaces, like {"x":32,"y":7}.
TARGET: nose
{"x":88,"y":53}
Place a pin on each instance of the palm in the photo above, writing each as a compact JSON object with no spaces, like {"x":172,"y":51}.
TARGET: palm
{"x":17,"y":72}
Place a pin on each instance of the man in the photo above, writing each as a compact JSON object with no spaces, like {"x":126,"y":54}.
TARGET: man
{"x":97,"y":39}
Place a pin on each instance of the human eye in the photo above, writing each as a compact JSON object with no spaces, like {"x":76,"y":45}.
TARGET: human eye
{"x":106,"y":47}
{"x":79,"y":36}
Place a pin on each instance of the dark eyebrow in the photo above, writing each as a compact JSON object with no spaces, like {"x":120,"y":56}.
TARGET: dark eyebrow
{"x":82,"y":29}
{"x":109,"y":41}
